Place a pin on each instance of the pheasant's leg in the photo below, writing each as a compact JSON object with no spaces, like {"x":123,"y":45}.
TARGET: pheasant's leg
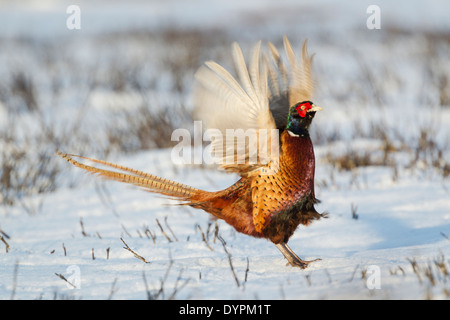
{"x":291,"y":257}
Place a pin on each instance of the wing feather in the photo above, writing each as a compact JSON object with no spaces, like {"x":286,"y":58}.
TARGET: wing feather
{"x":223,"y":103}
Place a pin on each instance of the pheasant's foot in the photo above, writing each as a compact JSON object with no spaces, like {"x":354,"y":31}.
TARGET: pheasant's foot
{"x":292,"y":258}
{"x":301,"y":263}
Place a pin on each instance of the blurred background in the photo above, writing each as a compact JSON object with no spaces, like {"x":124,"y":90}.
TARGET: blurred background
{"x":121,"y":83}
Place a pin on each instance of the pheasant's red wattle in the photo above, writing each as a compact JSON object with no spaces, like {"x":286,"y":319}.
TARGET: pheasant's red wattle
{"x":302,"y":108}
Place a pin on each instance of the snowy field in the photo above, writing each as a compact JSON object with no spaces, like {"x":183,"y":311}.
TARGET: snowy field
{"x":116,"y":89}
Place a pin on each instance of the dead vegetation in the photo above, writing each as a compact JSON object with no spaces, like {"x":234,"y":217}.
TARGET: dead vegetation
{"x":434,"y":276}
{"x":422,"y":144}
{"x":423,"y":152}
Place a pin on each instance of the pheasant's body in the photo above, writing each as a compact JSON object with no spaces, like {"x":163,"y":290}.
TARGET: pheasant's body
{"x":275,"y":194}
{"x":269,"y":206}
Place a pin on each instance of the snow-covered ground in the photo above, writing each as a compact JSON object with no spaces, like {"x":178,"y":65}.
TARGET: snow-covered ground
{"x":388,"y":231}
{"x":397,"y":223}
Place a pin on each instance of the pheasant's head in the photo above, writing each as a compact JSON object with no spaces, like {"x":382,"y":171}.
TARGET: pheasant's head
{"x":300,"y":117}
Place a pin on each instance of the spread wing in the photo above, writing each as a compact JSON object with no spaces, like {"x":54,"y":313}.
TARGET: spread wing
{"x":242,"y":114}
{"x":291,"y":85}
{"x":237,"y":114}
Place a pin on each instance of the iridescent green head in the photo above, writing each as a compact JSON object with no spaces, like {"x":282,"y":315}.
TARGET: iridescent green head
{"x":300,"y":117}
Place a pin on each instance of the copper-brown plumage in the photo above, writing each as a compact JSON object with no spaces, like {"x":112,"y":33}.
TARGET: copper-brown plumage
{"x":274,"y":194}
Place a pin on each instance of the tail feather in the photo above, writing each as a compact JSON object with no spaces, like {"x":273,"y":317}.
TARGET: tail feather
{"x":147,"y":181}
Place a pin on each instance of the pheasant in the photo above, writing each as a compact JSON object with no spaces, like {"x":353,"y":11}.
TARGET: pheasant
{"x":275,"y":192}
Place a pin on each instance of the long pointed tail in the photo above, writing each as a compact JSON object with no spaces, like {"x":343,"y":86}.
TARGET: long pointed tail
{"x":147,"y":181}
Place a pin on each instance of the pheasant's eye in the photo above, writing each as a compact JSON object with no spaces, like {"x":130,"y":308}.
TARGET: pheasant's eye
{"x":302,"y":108}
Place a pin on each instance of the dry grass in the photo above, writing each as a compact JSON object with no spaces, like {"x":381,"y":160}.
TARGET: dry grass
{"x":433,"y":275}
{"x":426,"y":144}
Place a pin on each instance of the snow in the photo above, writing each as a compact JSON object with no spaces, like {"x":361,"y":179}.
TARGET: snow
{"x":402,"y":221}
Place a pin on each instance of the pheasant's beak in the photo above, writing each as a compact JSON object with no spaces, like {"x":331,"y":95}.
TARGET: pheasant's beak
{"x":315,"y":108}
